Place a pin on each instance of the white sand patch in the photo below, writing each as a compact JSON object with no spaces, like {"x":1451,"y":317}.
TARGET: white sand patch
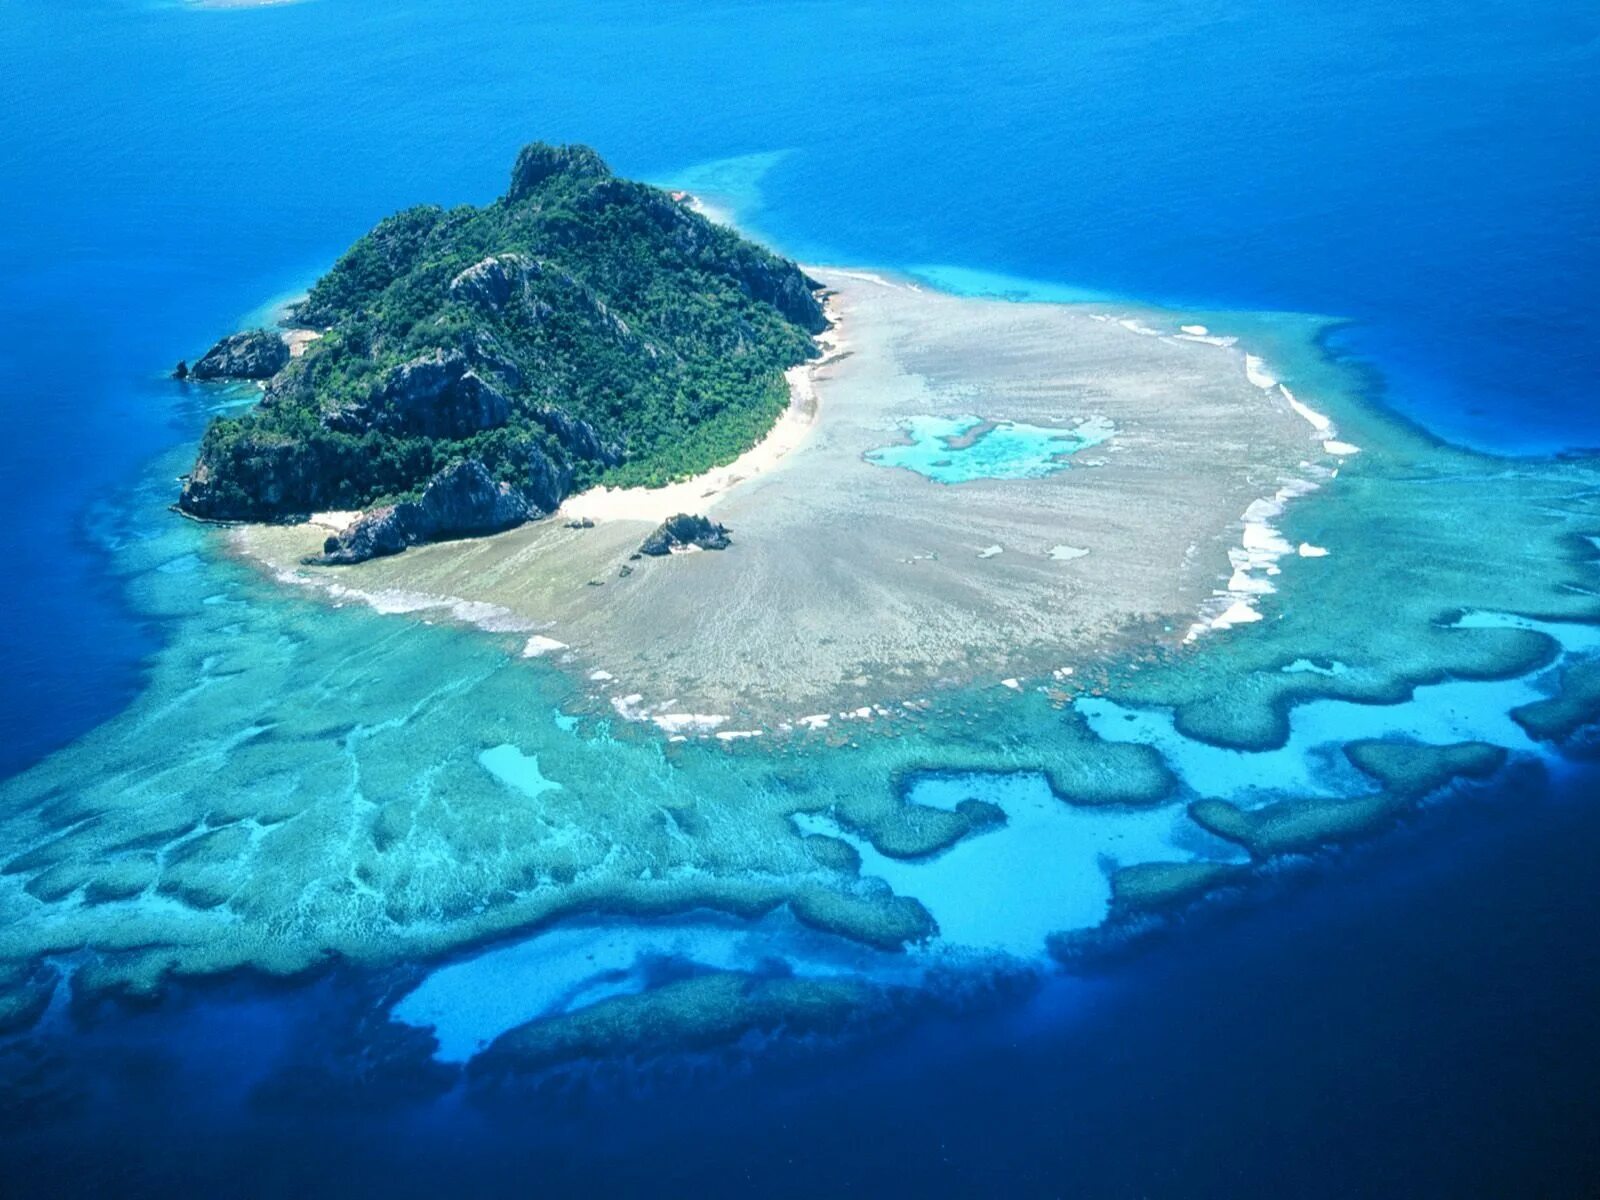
{"x":539,"y":645}
{"x":868,"y":277}
{"x":1065,"y":553}
{"x":338,"y":520}
{"x":1343,"y":449}
{"x":1254,"y":562}
{"x":1317,"y":421}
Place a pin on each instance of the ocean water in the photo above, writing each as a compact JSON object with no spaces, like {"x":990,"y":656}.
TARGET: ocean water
{"x":1410,"y":1018}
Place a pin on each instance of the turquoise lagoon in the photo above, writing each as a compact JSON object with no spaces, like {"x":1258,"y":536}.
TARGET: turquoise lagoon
{"x":962,"y":449}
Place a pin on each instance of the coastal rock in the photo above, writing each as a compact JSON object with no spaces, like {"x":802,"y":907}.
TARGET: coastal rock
{"x":258,"y":479}
{"x":683,"y":531}
{"x":463,"y":500}
{"x":252,"y":354}
{"x":436,"y":395}
{"x":383,"y":531}
{"x":784,"y":286}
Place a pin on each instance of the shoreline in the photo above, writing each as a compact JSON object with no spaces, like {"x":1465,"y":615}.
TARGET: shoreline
{"x":491,"y":582}
{"x":700,"y":493}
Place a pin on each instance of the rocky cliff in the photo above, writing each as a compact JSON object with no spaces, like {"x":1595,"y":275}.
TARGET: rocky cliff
{"x":252,"y":354}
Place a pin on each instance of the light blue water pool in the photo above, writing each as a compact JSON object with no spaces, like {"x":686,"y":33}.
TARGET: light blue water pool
{"x":961,"y":449}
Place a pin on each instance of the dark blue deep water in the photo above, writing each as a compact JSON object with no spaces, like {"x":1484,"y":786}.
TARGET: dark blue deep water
{"x":1417,"y":1023}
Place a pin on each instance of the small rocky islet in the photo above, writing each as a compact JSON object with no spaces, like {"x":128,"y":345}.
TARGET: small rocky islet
{"x":461,"y":371}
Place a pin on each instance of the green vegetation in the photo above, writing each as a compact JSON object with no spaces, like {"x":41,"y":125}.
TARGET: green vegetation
{"x":580,"y":329}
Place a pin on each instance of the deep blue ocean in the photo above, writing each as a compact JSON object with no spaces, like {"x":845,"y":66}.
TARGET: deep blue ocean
{"x":1418,"y":1023}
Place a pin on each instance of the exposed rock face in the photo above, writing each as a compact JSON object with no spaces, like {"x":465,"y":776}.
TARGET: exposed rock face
{"x":787,"y":289}
{"x":495,"y":281}
{"x":438,"y":395}
{"x":253,"y":354}
{"x":545,"y":481}
{"x":683,"y":531}
{"x":577,"y":438}
{"x":463,"y":500}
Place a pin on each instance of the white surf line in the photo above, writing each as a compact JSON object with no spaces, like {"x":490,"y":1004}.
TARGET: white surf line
{"x":1255,"y":560}
{"x":491,"y":618}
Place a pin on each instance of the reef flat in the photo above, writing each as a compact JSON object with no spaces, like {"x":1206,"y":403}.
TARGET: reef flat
{"x":304,"y":781}
{"x":987,"y":491}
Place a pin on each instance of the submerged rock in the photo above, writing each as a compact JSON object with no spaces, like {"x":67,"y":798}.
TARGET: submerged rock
{"x":463,"y":500}
{"x":684,"y":530}
{"x":252,"y":354}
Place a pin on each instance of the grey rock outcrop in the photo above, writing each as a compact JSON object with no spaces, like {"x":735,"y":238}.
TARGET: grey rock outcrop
{"x":545,"y":481}
{"x":252,"y":354}
{"x":577,"y":438}
{"x":437,"y":395}
{"x":494,"y":282}
{"x":463,"y":500}
{"x":684,"y":530}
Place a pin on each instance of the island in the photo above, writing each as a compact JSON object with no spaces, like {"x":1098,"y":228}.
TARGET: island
{"x":1018,"y":627}
{"x":461,"y":371}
